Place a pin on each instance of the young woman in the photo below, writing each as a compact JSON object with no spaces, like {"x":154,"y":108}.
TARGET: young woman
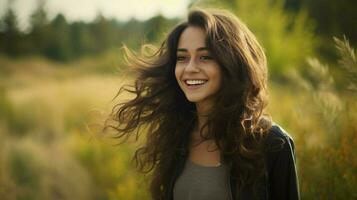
{"x":201,"y":98}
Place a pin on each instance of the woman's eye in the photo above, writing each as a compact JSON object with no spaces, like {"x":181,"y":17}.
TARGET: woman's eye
{"x":180,"y":58}
{"x":206,"y":57}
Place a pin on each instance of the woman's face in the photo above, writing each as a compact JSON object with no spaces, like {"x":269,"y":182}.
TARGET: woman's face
{"x":197,"y":72}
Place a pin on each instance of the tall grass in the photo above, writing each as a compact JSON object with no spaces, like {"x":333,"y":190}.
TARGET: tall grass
{"x":325,"y":123}
{"x":46,"y":148}
{"x":50,"y":149}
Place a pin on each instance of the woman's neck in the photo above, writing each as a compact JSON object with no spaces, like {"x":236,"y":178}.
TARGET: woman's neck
{"x":202,"y":109}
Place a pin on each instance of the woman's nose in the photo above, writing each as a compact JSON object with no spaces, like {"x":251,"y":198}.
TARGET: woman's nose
{"x":192,"y":66}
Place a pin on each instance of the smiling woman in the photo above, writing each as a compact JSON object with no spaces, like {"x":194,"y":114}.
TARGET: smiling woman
{"x":202,"y":96}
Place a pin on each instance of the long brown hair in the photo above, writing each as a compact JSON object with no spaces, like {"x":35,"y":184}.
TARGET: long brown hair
{"x":236,"y":122}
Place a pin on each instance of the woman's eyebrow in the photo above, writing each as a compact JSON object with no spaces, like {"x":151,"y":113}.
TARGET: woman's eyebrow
{"x":203,"y":49}
{"x":198,"y":49}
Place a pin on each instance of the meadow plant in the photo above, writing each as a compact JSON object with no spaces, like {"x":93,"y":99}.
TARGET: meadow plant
{"x":329,"y":170}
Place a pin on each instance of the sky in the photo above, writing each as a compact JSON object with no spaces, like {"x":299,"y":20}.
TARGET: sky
{"x":87,"y":10}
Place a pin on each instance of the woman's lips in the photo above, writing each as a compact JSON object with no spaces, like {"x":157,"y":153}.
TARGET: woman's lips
{"x":194,"y":83}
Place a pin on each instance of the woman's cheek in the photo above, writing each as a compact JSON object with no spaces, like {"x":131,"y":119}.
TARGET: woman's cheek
{"x":178,"y":73}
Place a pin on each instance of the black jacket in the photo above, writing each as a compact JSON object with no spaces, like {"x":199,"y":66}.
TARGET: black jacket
{"x":280,"y":181}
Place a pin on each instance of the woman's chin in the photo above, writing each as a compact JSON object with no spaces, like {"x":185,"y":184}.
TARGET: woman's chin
{"x":194,"y":99}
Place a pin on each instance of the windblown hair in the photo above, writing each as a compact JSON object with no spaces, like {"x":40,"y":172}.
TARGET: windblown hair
{"x":236,"y":122}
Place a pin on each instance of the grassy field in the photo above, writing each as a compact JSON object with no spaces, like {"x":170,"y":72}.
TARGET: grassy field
{"x":50,"y":146}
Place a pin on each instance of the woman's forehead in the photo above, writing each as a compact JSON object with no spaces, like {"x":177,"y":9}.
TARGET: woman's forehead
{"x":193,"y":38}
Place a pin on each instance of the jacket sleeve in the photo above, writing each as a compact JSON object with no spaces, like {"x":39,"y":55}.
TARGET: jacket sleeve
{"x":282,"y":174}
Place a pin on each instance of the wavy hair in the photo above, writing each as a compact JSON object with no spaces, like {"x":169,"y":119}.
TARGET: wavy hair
{"x":236,"y":122}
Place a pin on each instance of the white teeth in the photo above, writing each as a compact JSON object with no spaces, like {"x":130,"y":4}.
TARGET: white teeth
{"x":195,"y":82}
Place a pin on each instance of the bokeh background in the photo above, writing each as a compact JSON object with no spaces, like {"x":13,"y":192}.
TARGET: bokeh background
{"x":61,"y":64}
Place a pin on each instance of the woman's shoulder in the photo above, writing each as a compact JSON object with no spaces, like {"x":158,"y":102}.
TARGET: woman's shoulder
{"x":280,"y":164}
{"x":278,"y":139}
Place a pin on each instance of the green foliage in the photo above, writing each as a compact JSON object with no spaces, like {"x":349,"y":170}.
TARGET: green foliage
{"x":39,"y":35}
{"x":347,"y":66}
{"x":331,"y":18}
{"x":62,"y":41}
{"x":109,"y":169}
{"x":25,"y":174}
{"x":53,"y":155}
{"x":10,"y":119}
{"x":59,"y":47}
{"x":6,"y":109}
{"x":334,"y":18}
{"x":286,"y":38}
{"x":332,"y":106}
{"x":156,"y":27}
{"x":10,"y":34}
{"x":34,"y":170}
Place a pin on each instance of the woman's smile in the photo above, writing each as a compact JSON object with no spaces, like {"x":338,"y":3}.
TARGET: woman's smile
{"x":193,"y":84}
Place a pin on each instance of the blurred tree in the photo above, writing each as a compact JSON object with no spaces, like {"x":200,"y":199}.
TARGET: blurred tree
{"x":333,"y":18}
{"x":81,"y":39}
{"x":155,"y":27}
{"x":132,"y":33}
{"x":9,"y":32}
{"x":59,"y":46}
{"x":60,"y":40}
{"x":292,"y":5}
{"x":103,"y":33}
{"x":40,"y":32}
